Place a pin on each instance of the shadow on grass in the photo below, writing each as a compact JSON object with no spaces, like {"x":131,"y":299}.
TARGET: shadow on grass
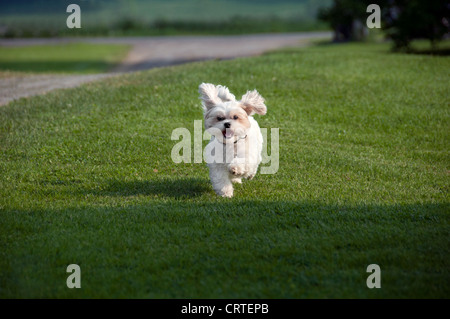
{"x":173,"y":188}
{"x":276,"y":249}
{"x":438,"y":52}
{"x":443,"y":50}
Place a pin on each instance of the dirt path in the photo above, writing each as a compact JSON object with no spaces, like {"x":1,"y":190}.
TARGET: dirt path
{"x":147,"y":53}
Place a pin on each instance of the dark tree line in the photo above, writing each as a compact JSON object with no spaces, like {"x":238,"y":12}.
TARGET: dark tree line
{"x":402,"y":20}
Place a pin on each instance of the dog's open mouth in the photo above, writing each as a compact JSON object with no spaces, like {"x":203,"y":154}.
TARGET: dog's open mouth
{"x":228,"y":133}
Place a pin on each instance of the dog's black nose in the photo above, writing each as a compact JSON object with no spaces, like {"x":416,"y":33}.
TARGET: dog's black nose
{"x":227,"y":125}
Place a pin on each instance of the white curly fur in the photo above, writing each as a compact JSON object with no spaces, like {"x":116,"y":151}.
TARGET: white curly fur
{"x":237,"y":139}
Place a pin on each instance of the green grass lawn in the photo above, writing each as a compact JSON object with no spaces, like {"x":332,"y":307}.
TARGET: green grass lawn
{"x":62,"y":58}
{"x":86,"y":178}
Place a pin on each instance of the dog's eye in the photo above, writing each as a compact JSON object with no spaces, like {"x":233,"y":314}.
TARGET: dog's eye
{"x":220,"y":118}
{"x":235,"y":117}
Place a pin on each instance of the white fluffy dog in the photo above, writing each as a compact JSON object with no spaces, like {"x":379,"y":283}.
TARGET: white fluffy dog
{"x":234,"y":151}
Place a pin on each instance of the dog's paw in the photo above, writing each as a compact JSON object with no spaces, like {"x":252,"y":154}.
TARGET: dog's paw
{"x":226,"y":191}
{"x":227,"y":195}
{"x":236,"y":180}
{"x":236,"y":169}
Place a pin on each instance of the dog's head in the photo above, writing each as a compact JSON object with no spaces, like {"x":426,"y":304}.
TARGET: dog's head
{"x":226,"y":118}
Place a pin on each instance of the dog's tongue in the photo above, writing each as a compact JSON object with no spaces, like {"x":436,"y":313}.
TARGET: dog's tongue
{"x":228,"y":133}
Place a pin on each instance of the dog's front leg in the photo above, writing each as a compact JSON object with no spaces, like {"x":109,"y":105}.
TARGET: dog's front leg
{"x":220,"y":180}
{"x":237,"y":167}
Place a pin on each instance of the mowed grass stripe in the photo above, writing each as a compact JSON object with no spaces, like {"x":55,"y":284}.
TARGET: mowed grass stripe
{"x":77,"y":58}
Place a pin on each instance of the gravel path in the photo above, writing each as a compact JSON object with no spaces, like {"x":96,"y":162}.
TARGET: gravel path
{"x":147,"y":53}
{"x":17,"y":86}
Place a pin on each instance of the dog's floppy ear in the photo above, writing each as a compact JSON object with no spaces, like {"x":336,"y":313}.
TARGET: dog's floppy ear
{"x":252,"y":102}
{"x":224,"y":94}
{"x":209,"y":95}
{"x":212,"y":95}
